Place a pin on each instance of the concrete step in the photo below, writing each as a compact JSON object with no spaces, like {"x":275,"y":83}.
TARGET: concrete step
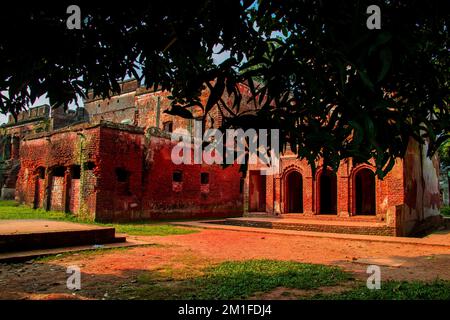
{"x":359,"y":227}
{"x":24,"y":235}
{"x":328,"y":217}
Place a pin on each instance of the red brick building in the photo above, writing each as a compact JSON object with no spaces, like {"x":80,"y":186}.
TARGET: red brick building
{"x":34,"y":120}
{"x":405,"y":202}
{"x":114,"y":172}
{"x":117,"y":166}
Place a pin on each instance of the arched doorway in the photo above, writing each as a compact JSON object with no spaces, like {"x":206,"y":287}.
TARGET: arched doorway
{"x":364,"y":192}
{"x":257,"y":191}
{"x":294,"y":192}
{"x":327,"y":192}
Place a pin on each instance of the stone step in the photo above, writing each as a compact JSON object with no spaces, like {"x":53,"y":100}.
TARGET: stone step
{"x":367,"y":228}
{"x":21,"y":237}
{"x":329,"y":217}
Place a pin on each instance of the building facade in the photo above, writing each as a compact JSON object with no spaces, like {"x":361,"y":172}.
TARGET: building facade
{"x":112,"y":162}
{"x":34,"y":120}
{"x":405,"y":202}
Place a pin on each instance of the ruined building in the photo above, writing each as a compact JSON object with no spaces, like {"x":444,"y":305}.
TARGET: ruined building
{"x":405,"y":202}
{"x":115,"y":164}
{"x":32,"y":121}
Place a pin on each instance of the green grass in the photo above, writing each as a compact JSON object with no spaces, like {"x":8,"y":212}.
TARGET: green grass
{"x":445,"y":211}
{"x":11,"y":210}
{"x":150,"y":229}
{"x":238,"y":280}
{"x":397,"y":290}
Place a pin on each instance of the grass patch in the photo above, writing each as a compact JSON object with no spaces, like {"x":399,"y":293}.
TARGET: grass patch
{"x":239,"y":280}
{"x":9,"y":209}
{"x":397,"y":290}
{"x":150,"y":229}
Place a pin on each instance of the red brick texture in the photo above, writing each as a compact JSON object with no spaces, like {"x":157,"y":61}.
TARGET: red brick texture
{"x":353,"y":191}
{"x":124,"y":171}
{"x":122,"y":175}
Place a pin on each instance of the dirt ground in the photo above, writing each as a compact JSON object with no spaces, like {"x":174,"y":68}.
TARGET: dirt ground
{"x":105,"y":274}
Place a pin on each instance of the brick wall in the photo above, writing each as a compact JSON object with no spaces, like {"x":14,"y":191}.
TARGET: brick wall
{"x":123,"y":175}
{"x":388,"y":192}
{"x":74,"y":196}
{"x":165,"y":198}
{"x":57,"y":193}
{"x":61,"y":149}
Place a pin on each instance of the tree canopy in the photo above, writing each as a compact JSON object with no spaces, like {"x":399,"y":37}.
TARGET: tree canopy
{"x":333,"y":87}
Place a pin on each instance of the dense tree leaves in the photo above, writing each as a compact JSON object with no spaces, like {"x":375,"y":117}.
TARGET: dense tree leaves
{"x":333,"y":87}
{"x":444,"y":153}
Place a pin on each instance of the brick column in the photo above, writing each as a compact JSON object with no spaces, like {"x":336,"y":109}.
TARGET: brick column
{"x":270,"y":194}
{"x":246,"y":192}
{"x":277,"y":195}
{"x":343,"y":196}
{"x":308,"y":195}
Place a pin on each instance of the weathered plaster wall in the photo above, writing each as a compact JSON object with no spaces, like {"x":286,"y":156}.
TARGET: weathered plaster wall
{"x":122,"y":176}
{"x":421,"y":189}
{"x":61,"y":150}
{"x":165,"y":198}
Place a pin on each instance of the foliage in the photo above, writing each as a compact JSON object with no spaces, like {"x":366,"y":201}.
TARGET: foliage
{"x":241,"y":279}
{"x":397,"y":290}
{"x":444,"y":153}
{"x":334,"y":88}
{"x":12,"y":210}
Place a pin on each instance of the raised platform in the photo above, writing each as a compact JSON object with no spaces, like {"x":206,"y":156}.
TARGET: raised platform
{"x":357,"y":226}
{"x":21,"y":235}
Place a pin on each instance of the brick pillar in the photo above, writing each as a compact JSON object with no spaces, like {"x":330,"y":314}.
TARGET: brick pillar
{"x":270,"y":193}
{"x":308,"y":195}
{"x":246,"y":192}
{"x":344,"y":199}
{"x":277,"y":195}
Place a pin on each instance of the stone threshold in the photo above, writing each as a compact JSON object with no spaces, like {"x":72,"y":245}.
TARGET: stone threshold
{"x":212,"y":224}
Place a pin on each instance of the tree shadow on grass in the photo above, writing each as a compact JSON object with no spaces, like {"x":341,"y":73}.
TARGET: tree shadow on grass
{"x":194,"y":278}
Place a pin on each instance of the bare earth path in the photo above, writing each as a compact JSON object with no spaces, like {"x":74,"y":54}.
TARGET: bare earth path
{"x":105,"y":273}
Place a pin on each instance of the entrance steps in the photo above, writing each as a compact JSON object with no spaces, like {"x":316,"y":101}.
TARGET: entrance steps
{"x":338,"y":225}
{"x":329,"y":217}
{"x":21,"y":235}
